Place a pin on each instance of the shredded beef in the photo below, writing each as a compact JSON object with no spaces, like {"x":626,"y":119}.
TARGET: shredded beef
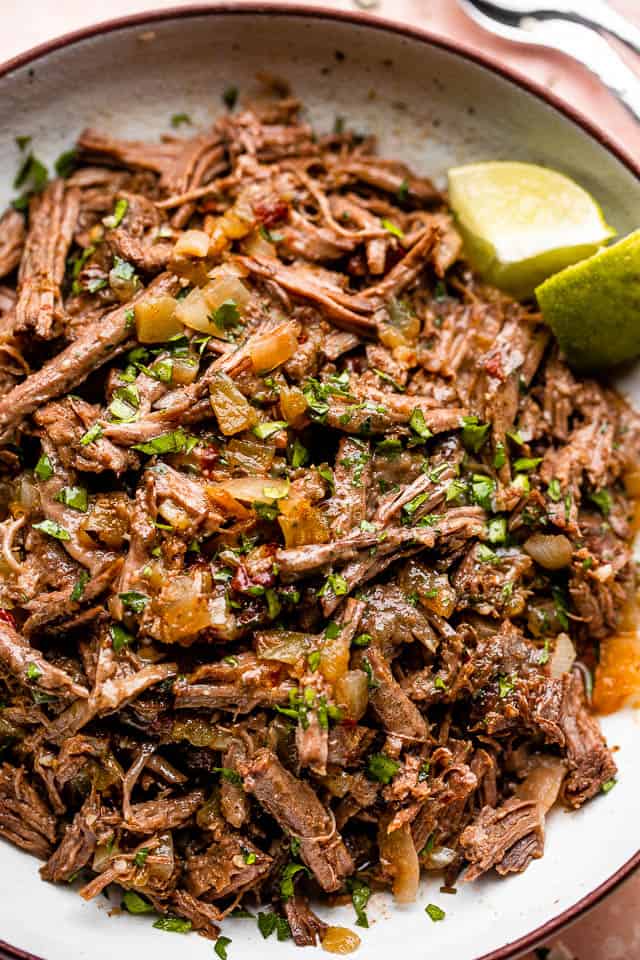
{"x":272,"y":458}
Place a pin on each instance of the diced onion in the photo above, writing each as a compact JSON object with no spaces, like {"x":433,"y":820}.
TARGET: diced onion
{"x":103,"y":854}
{"x":440,"y":857}
{"x":174,"y":515}
{"x":184,"y":370}
{"x":334,"y":658}
{"x":352,"y":694}
{"x":233,"y":411}
{"x":193,"y":312}
{"x":192,"y":243}
{"x":293,"y":405}
{"x":237,"y":222}
{"x":543,"y":781}
{"x":551,"y":551}
{"x":433,"y":589}
{"x":225,"y":288}
{"x":200,"y":733}
{"x":157,"y":319}
{"x":302,"y":523}
{"x":183,"y":609}
{"x":258,"y":246}
{"x":399,"y":851}
{"x":269,"y":350}
{"x":563,"y":656}
{"x":252,"y":489}
{"x":285,"y":646}
{"x":252,"y":457}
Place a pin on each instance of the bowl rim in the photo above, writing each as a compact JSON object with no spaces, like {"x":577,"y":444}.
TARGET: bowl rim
{"x":459,"y":48}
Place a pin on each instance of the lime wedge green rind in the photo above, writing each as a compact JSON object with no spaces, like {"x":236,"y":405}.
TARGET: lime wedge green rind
{"x":593,"y":307}
{"x":521,"y":223}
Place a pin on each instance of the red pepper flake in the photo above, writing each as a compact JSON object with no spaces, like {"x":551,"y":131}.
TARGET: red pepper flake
{"x":271,"y":212}
{"x":494,"y":367}
{"x":8,"y":617}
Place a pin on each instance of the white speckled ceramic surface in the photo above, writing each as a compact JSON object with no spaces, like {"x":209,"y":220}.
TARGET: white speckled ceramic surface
{"x":433,"y":108}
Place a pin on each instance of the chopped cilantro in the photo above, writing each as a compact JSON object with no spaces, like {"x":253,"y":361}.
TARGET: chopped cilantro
{"x":314,"y":660}
{"x":362,"y":640}
{"x":360,"y":894}
{"x":80,"y":584}
{"x":141,"y":856}
{"x":497,"y":530}
{"x":178,"y":119}
{"x":389,"y":379}
{"x":482,"y":490}
{"x":603,"y":501}
{"x":93,"y":433}
{"x":52,"y":529}
{"x":267,"y":924}
{"x":286,"y":878}
{"x":608,"y":785}
{"x":554,"y":491}
{"x":269,"y":428}
{"x":500,"y":456}
{"x":560,"y":604}
{"x":134,"y":601}
{"x":134,"y":903}
{"x":226,"y":773}
{"x":227,"y":315}
{"x":505,"y":686}
{"x":75,"y":497}
{"x":474,"y":433}
{"x":115,"y":219}
{"x":336,"y":584}
{"x":434,"y":912}
{"x":418,"y":424}
{"x":456,"y":490}
{"x":413,"y":505}
{"x":392,"y":228}
{"x":382,"y":768}
{"x":221,"y":947}
{"x":43,"y":468}
{"x":299,"y":455}
{"x":66,"y":163}
{"x":177,"y":441}
{"x":173,"y":924}
{"x":526,"y":464}
{"x":33,"y":673}
{"x":120,"y":637}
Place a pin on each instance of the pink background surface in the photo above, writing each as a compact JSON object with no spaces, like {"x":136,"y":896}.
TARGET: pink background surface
{"x":612,"y":930}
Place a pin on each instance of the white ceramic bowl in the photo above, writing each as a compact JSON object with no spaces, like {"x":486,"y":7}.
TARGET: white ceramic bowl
{"x":433,"y":105}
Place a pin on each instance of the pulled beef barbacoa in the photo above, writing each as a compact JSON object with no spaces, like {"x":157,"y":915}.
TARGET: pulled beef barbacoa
{"x":303,"y":529}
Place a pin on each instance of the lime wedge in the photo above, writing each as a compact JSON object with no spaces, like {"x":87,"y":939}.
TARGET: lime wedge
{"x":593,"y":307}
{"x":521,"y":223}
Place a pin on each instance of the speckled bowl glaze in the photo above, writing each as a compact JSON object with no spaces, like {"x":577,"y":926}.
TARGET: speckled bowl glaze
{"x":433,"y":105}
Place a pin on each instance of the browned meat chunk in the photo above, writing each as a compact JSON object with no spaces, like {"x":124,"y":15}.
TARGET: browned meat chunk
{"x":294,"y":805}
{"x":507,"y":838}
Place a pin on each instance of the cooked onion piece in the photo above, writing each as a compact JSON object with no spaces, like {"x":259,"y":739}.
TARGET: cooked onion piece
{"x":398,"y":852}
{"x":157,"y":319}
{"x":551,"y":551}
{"x":563,"y":656}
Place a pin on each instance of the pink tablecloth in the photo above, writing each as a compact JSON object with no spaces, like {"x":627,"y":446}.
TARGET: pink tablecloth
{"x":612,"y":930}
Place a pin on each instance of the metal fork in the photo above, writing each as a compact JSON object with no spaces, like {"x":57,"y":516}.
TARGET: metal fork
{"x":581,"y":42}
{"x":590,"y":13}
